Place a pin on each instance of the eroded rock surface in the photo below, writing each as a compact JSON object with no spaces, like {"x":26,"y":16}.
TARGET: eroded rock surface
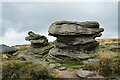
{"x":39,"y":45}
{"x":36,"y":39}
{"x":85,"y":73}
{"x":73,"y":39}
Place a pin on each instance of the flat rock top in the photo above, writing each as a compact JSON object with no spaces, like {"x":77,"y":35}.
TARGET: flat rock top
{"x":74,"y":28}
{"x":85,"y":73}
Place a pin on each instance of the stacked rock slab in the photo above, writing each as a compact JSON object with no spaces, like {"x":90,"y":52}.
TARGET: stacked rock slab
{"x":73,"y":38}
{"x":36,"y":40}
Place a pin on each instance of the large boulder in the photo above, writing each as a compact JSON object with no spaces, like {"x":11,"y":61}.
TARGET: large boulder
{"x":7,"y":49}
{"x":68,"y":28}
{"x":36,"y":40}
{"x":73,"y":38}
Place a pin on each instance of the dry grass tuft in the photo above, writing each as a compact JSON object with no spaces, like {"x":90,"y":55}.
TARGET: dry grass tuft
{"x":108,"y":65}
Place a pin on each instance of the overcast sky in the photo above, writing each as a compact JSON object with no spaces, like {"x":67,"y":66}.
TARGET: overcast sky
{"x":20,"y":17}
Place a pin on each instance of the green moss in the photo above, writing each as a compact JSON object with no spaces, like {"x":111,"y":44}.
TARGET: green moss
{"x":71,"y":64}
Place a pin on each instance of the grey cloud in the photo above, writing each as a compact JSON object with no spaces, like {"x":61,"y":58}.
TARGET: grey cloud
{"x":0,"y":19}
{"x":38,"y":16}
{"x":119,"y":19}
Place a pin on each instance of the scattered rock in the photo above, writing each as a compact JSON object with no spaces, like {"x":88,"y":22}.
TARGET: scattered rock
{"x":68,"y":75}
{"x":6,"y":49}
{"x":5,"y":57}
{"x":52,"y":65}
{"x":89,"y":75}
{"x":36,"y":40}
{"x":73,"y":39}
{"x":55,"y":65}
{"x":32,"y":59}
{"x":97,"y":77}
{"x":85,"y":73}
{"x":62,"y":68}
{"x":91,"y":61}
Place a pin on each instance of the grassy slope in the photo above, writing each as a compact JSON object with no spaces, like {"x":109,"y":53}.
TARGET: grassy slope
{"x":105,"y":57}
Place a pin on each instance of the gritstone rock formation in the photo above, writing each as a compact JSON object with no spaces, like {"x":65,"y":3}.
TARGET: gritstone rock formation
{"x":73,"y":39}
{"x":7,"y":49}
{"x":36,"y":39}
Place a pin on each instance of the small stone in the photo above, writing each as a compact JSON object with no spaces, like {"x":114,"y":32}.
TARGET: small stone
{"x":5,"y":57}
{"x":68,"y":75}
{"x":15,"y":54}
{"x":58,"y":64}
{"x":91,"y":61}
{"x":97,"y":77}
{"x":52,"y":65}
{"x":84,"y":73}
{"x":62,"y":68}
{"x":84,"y":56}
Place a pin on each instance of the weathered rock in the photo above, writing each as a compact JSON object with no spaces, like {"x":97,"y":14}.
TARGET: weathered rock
{"x":36,"y":40}
{"x":75,"y":28}
{"x":89,"y":75}
{"x":91,"y":61}
{"x":62,"y":68}
{"x":68,"y":75}
{"x":74,"y":38}
{"x":97,"y":77}
{"x":41,"y":51}
{"x":56,"y":54}
{"x":85,"y":73}
{"x":7,"y":49}
{"x":31,"y":58}
{"x":55,"y":65}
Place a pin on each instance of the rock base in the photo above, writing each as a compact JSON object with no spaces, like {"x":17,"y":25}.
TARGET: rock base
{"x":57,"y":54}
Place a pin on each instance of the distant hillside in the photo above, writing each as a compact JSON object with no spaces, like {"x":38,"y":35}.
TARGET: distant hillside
{"x":109,"y":40}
